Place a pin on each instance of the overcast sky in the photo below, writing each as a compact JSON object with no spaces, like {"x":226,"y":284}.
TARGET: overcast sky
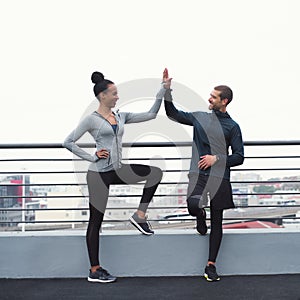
{"x":50,"y":48}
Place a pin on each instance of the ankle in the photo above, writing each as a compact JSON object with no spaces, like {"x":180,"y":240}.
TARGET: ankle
{"x":95,"y":268}
{"x":211,"y":263}
{"x":141,"y":214}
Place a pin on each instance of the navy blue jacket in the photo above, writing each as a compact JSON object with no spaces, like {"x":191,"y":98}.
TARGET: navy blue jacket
{"x":214,"y":133}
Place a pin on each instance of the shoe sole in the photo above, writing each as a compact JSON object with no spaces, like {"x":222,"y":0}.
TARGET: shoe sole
{"x":101,"y":281}
{"x":138,"y":227}
{"x":209,"y":279}
{"x":201,"y":233}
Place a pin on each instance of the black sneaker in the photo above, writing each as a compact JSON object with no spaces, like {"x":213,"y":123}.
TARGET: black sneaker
{"x":201,"y":223}
{"x":210,"y":273}
{"x":141,"y":224}
{"x":101,"y":275}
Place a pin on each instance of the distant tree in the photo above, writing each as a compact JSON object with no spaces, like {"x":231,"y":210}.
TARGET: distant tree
{"x":264,"y":189}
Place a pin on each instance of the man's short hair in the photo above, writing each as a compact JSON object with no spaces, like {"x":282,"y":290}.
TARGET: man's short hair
{"x":226,"y":92}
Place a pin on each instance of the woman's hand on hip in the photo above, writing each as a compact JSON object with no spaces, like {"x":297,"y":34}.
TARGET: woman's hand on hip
{"x":102,"y":153}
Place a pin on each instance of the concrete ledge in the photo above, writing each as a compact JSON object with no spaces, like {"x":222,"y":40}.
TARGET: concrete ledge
{"x":167,"y":253}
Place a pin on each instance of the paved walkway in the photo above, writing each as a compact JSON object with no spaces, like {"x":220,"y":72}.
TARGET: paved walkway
{"x":269,"y":287}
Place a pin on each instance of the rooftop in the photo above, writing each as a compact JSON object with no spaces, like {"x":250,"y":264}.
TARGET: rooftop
{"x":273,"y":287}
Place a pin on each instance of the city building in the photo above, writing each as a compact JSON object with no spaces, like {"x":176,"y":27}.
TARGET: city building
{"x":12,"y":195}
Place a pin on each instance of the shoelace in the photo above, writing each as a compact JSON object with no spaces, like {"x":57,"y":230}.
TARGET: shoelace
{"x":103,"y":271}
{"x":147,"y":222}
{"x":149,"y":225}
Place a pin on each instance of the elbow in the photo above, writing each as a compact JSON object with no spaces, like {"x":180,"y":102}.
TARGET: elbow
{"x":67,"y":143}
{"x":237,"y":160}
{"x":241,"y":160}
{"x":152,"y":115}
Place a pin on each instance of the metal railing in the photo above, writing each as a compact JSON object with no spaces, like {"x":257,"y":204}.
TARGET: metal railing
{"x":33,"y":175}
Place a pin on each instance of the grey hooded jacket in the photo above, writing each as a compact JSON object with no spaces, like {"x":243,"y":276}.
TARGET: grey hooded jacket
{"x":105,"y":137}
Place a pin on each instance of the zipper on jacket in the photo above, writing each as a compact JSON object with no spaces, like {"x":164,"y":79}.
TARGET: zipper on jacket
{"x":108,"y":161}
{"x":116,"y":136}
{"x":117,"y":142}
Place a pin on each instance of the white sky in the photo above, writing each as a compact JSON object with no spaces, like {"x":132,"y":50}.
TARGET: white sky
{"x":50,"y":48}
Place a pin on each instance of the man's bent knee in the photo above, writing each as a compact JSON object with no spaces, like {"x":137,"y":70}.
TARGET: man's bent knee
{"x":193,"y":205}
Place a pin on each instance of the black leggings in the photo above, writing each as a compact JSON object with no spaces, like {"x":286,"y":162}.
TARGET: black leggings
{"x":216,"y":233}
{"x":98,"y":186}
{"x":197,"y":199}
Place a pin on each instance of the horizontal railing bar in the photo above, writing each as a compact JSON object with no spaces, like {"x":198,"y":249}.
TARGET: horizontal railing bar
{"x":74,"y":184}
{"x":143,"y":144}
{"x":82,"y":196}
{"x":274,"y":156}
{"x":141,"y":183}
{"x":132,"y":159}
{"x":41,"y":172}
{"x":65,"y":172}
{"x":39,"y":159}
{"x":86,"y":208}
{"x":236,"y":219}
{"x":78,"y":159}
{"x":266,"y":169}
{"x":134,"y":207}
{"x":134,"y":195}
{"x":153,"y":220}
{"x":264,"y":181}
{"x":165,"y":171}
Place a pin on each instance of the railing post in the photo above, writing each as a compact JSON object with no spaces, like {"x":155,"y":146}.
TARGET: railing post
{"x":23,"y":203}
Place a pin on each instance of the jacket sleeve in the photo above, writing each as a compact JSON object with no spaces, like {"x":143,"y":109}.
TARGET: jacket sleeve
{"x":174,"y":114}
{"x":75,"y":135}
{"x":150,"y":114}
{"x":237,"y":148}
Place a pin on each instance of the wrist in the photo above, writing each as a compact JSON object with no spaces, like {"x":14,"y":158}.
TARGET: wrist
{"x":166,"y":85}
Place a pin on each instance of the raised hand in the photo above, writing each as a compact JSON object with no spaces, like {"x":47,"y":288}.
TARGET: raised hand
{"x":166,"y":80}
{"x":165,"y":75}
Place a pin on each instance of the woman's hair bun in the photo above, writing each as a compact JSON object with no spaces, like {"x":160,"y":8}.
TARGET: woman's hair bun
{"x":97,"y":77}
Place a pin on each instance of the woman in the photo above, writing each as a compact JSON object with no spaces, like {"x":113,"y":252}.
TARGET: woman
{"x":107,"y":128}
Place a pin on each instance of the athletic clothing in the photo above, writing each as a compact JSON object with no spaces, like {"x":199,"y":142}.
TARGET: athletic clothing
{"x":105,"y":136}
{"x":215,"y":192}
{"x":105,"y":171}
{"x":98,"y":184}
{"x":212,"y":191}
{"x":213,"y":134}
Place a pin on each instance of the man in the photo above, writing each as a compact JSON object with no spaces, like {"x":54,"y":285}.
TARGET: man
{"x":209,"y":175}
